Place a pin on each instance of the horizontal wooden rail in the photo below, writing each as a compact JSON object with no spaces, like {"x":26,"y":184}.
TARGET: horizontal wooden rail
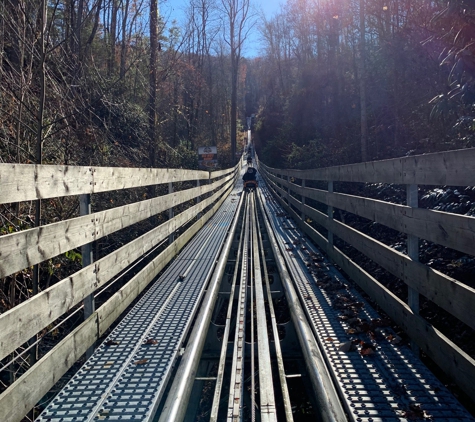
{"x":455,"y":168}
{"x":25,"y":320}
{"x":454,"y":361}
{"x":451,"y":230}
{"x":443,"y":290}
{"x":22,"y":395}
{"x":27,"y":182}
{"x":29,"y":247}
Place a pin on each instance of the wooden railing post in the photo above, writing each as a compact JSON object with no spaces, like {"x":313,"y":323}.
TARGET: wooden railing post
{"x":288,"y":190}
{"x":171,"y":237}
{"x":330,"y":214}
{"x":87,"y":259}
{"x":302,"y":215}
{"x":198,"y":199}
{"x":413,"y":253}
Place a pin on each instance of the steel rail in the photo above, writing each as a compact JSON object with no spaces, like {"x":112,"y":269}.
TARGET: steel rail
{"x":227,"y":327}
{"x":179,"y":394}
{"x":237,"y":372}
{"x":252,"y":276}
{"x":278,"y":351}
{"x":329,"y":405}
{"x":266,"y":386}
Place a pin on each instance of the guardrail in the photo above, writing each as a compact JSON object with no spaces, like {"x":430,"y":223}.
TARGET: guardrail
{"x":26,"y":248}
{"x":453,"y":168}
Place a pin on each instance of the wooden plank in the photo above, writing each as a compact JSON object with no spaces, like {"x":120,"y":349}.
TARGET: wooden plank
{"x":115,"y":178}
{"x":219,"y":173}
{"x":447,"y":292}
{"x":27,"y":182}
{"x":451,"y":230}
{"x":22,"y":395}
{"x":453,"y":296}
{"x":447,"y":355}
{"x":126,"y":295}
{"x":450,"y":294}
{"x":25,"y":320}
{"x":455,"y":168}
{"x":29,"y":247}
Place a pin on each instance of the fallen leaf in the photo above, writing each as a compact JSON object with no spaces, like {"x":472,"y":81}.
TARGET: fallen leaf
{"x":329,"y":339}
{"x":366,"y":349}
{"x":141,"y":362}
{"x":112,"y":343}
{"x":366,"y":352}
{"x":151,"y":341}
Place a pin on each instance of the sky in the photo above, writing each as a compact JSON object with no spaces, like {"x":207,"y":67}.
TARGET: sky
{"x":174,"y":9}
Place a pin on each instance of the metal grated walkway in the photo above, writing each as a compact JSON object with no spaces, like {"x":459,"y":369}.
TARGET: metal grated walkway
{"x":385,"y":382}
{"x":126,"y":377}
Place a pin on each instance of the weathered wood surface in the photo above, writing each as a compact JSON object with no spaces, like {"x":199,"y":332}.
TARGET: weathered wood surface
{"x":450,"y":294}
{"x":125,"y":296}
{"x":453,"y":361}
{"x":27,"y":182}
{"x":455,"y":168}
{"x":23,"y":395}
{"x":18,"y":399}
{"x":220,"y":173}
{"x":451,"y":230}
{"x":25,"y":320}
{"x":29,"y":247}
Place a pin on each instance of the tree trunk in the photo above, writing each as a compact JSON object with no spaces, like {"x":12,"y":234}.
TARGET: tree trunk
{"x":152,"y":116}
{"x":234,"y":75}
{"x":364,"y":118}
{"x":123,"y":47}
{"x":112,"y":36}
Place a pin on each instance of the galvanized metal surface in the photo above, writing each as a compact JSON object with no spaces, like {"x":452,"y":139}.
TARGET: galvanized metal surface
{"x":328,"y":406}
{"x":126,"y":377}
{"x":379,"y":380}
{"x":278,"y":351}
{"x":224,"y":346}
{"x":180,"y":391}
{"x":267,"y":405}
{"x":237,"y":371}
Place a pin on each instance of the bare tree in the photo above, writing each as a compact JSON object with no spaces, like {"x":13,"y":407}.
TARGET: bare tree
{"x":362,"y":78}
{"x":238,"y":24}
{"x":152,"y":116}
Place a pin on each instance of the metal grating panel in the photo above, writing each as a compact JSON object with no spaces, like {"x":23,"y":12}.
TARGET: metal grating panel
{"x":125,"y":378}
{"x":379,"y":387}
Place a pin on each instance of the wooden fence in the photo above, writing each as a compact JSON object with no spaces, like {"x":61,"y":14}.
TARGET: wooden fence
{"x":453,"y":168}
{"x":26,"y":248}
